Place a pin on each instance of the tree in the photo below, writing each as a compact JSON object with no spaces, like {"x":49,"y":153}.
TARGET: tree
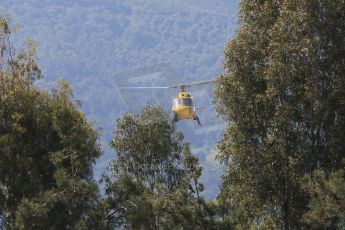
{"x":154,"y":186}
{"x":47,"y":147}
{"x":283,"y":96}
{"x":185,"y":205}
{"x":148,"y":148}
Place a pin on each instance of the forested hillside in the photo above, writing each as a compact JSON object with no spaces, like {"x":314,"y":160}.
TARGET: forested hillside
{"x":48,"y":149}
{"x":99,"y":45}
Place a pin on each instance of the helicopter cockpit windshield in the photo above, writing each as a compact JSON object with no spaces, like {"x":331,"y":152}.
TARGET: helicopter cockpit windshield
{"x":187,"y":102}
{"x":183,"y":102}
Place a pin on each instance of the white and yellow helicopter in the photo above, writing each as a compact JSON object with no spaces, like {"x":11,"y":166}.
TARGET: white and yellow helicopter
{"x":183,"y":105}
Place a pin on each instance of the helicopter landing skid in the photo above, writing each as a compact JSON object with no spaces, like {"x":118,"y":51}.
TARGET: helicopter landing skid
{"x":175,"y":119}
{"x":197,"y":119}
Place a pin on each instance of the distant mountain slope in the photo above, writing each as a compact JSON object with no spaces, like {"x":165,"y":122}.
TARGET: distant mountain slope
{"x":98,"y":45}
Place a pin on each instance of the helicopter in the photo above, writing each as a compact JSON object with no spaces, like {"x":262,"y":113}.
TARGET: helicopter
{"x":183,"y":106}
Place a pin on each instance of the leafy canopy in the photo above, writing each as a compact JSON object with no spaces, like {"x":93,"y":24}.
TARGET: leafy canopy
{"x":47,"y":148}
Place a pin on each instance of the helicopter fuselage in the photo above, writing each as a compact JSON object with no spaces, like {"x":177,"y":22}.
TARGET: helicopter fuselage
{"x":183,"y":106}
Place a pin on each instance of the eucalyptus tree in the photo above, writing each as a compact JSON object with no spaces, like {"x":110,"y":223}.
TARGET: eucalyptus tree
{"x":283,"y":96}
{"x":155,"y":179}
{"x":47,"y":148}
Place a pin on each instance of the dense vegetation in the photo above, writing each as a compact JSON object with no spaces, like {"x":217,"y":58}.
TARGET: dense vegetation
{"x":283,"y":96}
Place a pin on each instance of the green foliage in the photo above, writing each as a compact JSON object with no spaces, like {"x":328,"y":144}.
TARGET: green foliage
{"x":148,"y":148}
{"x":327,"y":204}
{"x":153,"y":185}
{"x":72,"y":205}
{"x":283,"y":96}
{"x":47,"y":148}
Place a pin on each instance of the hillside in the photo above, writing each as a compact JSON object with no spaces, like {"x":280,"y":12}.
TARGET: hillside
{"x":100,"y":46}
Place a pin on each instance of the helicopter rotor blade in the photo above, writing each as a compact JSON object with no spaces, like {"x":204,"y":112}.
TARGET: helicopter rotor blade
{"x":181,"y":86}
{"x":148,"y":87}
{"x":199,"y":83}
